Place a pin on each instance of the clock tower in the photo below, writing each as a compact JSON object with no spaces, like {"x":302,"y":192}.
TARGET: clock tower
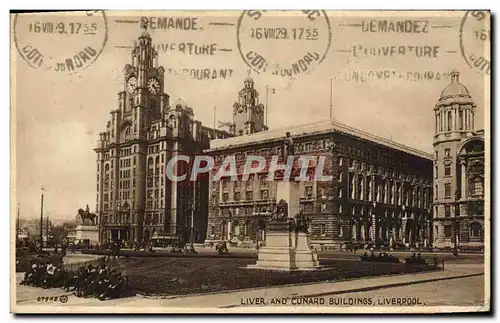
{"x":143,"y":98}
{"x":136,"y":200}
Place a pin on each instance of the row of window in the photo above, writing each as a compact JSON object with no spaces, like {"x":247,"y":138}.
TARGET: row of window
{"x":475,"y":186}
{"x":126,"y":151}
{"x":126,"y":184}
{"x":158,"y":181}
{"x":125,"y":162}
{"x":376,"y":156}
{"x":126,"y":173}
{"x":387,"y":192}
{"x":475,"y":231}
{"x":153,"y":205}
{"x":130,"y":219}
{"x":155,"y":192}
{"x":155,"y":148}
{"x":447,"y":170}
{"x":446,"y":153}
{"x":122,"y":195}
{"x":264,"y":194}
{"x":374,"y":169}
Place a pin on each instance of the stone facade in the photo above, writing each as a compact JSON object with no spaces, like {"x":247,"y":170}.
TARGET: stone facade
{"x":458,"y":171}
{"x":136,"y":202}
{"x":380,"y":193}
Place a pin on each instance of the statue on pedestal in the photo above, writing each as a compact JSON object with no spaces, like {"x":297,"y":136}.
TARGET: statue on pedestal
{"x":281,"y":211}
{"x":87,"y":217}
{"x":288,"y":147}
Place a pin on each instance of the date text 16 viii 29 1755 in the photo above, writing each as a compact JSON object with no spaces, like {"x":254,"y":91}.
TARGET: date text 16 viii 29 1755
{"x":285,"y":33}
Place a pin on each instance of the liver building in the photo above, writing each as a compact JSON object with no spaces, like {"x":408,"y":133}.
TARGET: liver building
{"x":136,"y":202}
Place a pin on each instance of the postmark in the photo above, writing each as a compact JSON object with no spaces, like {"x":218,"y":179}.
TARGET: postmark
{"x":475,"y":37}
{"x":66,"y":43}
{"x":293,"y":45}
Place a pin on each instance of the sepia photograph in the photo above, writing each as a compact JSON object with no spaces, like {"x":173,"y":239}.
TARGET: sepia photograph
{"x":252,"y":161}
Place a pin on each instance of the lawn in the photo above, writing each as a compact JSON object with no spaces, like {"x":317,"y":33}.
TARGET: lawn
{"x":182,"y":275}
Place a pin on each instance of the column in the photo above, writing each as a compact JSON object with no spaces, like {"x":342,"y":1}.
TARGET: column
{"x":354,"y":184}
{"x":466,"y":117}
{"x":436,"y":116}
{"x":362,"y":188}
{"x":229,"y":231}
{"x":445,"y":121}
{"x":442,"y":121}
{"x":463,"y":180}
{"x":454,"y":117}
{"x":387,"y":192}
{"x":472,"y":120}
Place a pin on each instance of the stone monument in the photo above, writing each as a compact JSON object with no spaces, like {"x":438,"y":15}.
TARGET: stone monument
{"x":88,"y":229}
{"x":287,"y":241}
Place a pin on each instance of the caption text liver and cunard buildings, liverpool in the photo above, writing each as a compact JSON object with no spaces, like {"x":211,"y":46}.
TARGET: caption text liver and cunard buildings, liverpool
{"x":382,"y":192}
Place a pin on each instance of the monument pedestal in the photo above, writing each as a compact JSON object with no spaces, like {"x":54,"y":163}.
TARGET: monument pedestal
{"x":88,"y":233}
{"x":286,"y":249}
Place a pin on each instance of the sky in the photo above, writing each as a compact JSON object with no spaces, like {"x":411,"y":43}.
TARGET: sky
{"x":56,"y":116}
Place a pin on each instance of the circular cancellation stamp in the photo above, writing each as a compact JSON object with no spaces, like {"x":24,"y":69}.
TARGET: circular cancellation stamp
{"x":475,"y":40}
{"x":284,"y":43}
{"x":64,"y":42}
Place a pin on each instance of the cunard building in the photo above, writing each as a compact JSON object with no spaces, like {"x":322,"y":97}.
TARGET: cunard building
{"x":458,"y":170}
{"x":136,"y":202}
{"x":381,"y":192}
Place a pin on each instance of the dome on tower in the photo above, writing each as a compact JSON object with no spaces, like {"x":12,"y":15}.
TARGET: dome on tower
{"x":145,"y":34}
{"x":455,"y":88}
{"x":179,"y":103}
{"x":144,"y":27}
{"x":249,"y":79}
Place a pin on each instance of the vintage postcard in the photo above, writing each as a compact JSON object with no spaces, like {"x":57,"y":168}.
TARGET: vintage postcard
{"x":250,"y":161}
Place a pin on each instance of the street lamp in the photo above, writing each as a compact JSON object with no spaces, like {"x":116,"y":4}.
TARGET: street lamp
{"x":17,"y":229}
{"x":41,"y":219}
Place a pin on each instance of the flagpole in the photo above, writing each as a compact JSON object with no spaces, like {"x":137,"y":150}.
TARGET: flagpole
{"x":41,"y":220}
{"x":215,"y":111}
{"x":331,"y":98}
{"x":267,"y":92}
{"x":17,"y":231}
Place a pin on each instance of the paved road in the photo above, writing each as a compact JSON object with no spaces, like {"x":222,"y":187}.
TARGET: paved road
{"x":467,"y":291}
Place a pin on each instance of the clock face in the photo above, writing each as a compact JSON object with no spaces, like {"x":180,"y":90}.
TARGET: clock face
{"x":154,"y":86}
{"x":131,"y":84}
